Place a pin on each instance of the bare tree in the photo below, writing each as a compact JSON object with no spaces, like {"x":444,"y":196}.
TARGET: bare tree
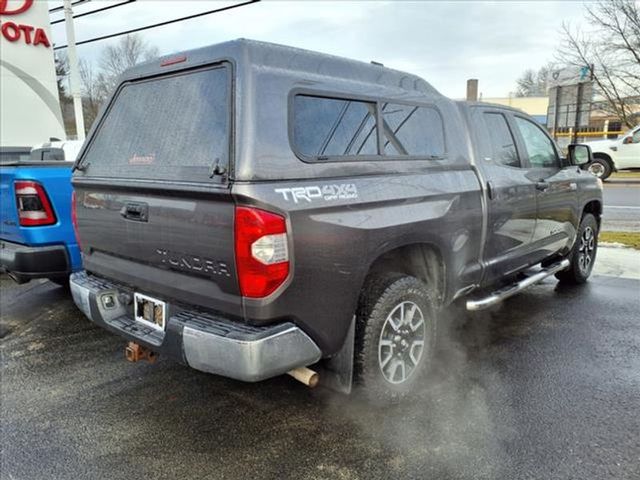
{"x":62,"y":70}
{"x":66,"y":102}
{"x":115,"y":59}
{"x":612,"y":52}
{"x":90,"y":100}
{"x":532,"y":83}
{"x":98,"y":83}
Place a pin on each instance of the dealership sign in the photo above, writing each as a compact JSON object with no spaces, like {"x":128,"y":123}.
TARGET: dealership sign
{"x":13,"y":31}
{"x":29,"y":103}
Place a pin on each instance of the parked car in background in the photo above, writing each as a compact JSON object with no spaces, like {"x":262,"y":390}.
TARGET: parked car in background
{"x":281,"y":209}
{"x":36,"y":233}
{"x":610,"y":156}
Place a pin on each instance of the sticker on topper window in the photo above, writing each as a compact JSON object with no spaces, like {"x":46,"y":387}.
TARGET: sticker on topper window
{"x":142,"y":159}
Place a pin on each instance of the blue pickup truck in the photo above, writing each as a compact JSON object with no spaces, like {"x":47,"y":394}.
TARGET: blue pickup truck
{"x":37,"y":238}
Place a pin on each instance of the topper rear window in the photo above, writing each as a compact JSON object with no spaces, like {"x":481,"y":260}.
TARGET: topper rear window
{"x":173,"y":127}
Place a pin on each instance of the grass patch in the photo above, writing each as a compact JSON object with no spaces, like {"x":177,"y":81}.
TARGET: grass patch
{"x":630,"y":239}
{"x":626,"y":175}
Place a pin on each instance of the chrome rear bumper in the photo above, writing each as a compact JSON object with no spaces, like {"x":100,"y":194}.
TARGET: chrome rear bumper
{"x":203,"y":341}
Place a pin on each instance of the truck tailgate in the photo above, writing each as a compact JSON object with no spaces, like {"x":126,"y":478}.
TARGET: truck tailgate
{"x":151,"y":211}
{"x":9,"y":229}
{"x":178,"y":248}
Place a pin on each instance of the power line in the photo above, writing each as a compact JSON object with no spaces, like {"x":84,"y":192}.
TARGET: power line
{"x":61,"y":7}
{"x":95,"y":11}
{"x":168,"y":22}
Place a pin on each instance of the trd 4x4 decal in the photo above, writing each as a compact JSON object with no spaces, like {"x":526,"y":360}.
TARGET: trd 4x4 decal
{"x":340,"y":191}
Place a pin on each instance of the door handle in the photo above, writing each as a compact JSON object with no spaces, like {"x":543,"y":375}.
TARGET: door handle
{"x":490,"y":191}
{"x":542,"y":185}
{"x":138,"y":212}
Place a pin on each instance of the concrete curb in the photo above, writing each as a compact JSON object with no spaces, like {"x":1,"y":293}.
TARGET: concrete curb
{"x":616,"y":260}
{"x":622,"y":181}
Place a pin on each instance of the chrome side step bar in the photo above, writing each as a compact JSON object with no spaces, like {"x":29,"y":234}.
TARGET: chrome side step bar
{"x":510,"y":290}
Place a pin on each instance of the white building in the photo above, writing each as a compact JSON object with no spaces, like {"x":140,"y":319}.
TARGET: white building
{"x":29,"y":105}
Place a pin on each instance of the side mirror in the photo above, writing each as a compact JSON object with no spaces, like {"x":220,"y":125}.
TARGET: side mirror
{"x":627,"y":140}
{"x":579,"y":154}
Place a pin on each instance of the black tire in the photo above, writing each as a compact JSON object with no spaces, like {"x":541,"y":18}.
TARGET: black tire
{"x":601,"y":168}
{"x":63,"y":281}
{"x":382,"y":296}
{"x":583,"y":253}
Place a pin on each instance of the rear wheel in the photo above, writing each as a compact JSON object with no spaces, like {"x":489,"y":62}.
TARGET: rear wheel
{"x":583,"y":254}
{"x":395,"y":337}
{"x":600,"y":167}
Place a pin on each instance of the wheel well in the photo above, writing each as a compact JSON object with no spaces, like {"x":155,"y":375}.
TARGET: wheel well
{"x":594,"y":207}
{"x":605,"y":157}
{"x":420,"y":260}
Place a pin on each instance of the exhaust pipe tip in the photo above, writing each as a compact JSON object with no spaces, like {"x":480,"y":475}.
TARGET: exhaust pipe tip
{"x":18,"y":279}
{"x":305,"y":375}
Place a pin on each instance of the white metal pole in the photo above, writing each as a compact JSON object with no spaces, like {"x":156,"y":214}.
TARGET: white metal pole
{"x":74,"y":75}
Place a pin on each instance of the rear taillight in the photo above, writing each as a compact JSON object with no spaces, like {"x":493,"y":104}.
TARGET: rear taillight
{"x":262,"y":254}
{"x":74,"y":218}
{"x":34,"y":208}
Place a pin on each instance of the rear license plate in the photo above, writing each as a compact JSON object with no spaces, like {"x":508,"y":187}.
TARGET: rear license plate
{"x":150,"y":311}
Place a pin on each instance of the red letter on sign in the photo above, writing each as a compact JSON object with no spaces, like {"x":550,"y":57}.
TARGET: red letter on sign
{"x":11,"y":36}
{"x":41,"y":38}
{"x":4,"y":10}
{"x":26,"y":29}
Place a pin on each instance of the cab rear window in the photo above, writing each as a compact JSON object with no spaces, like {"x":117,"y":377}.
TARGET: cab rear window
{"x":173,"y":127}
{"x":412,"y":130}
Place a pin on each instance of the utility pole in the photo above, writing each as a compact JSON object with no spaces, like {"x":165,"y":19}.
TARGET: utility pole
{"x":556,"y":113}
{"x":579,"y":95}
{"x":74,"y":75}
{"x":472,"y":90}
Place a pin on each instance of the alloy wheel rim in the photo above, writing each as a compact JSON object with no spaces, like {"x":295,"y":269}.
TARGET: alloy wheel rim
{"x":586,"y":250}
{"x":401,"y":343}
{"x":596,"y":169}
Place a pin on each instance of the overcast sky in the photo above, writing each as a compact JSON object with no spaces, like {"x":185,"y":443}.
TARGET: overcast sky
{"x":445,"y":42}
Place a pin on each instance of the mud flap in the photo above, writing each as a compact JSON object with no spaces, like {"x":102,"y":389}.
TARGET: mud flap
{"x":337,"y":371}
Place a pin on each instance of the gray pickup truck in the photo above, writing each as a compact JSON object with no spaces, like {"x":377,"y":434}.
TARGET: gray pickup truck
{"x":252,"y":210}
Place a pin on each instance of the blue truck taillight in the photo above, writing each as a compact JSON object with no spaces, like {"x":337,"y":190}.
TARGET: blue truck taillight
{"x":34,"y":208}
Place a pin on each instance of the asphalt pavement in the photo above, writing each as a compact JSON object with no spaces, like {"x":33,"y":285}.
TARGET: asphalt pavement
{"x":547,"y":386}
{"x":621,"y":206}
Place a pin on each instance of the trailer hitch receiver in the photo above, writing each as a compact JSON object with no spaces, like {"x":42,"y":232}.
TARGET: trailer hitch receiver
{"x":135,"y":352}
